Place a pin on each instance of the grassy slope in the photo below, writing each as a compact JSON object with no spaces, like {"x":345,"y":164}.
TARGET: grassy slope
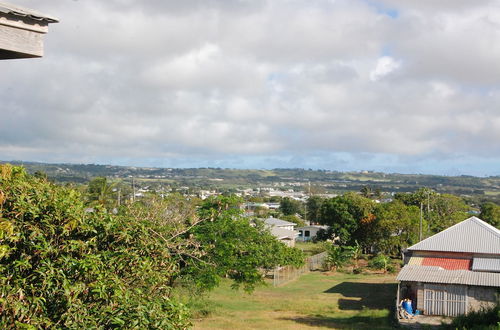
{"x":315,"y":300}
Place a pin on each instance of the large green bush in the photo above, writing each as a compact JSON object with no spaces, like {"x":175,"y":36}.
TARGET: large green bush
{"x":63,"y":267}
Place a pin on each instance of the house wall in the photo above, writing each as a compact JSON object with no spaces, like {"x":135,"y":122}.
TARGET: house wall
{"x":288,"y":242}
{"x":313,"y":231}
{"x":481,"y":297}
{"x":478,"y":297}
{"x":420,"y":296}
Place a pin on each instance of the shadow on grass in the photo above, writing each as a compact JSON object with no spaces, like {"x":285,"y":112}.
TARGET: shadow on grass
{"x":355,"y":322}
{"x":365,"y":295}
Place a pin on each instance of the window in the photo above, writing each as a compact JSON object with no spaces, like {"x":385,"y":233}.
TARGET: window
{"x":307,"y":233}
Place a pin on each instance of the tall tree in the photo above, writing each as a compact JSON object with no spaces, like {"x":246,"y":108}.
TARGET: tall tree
{"x":440,"y":210}
{"x":100,"y":192}
{"x":289,"y":206}
{"x":447,"y":210}
{"x":397,"y":227}
{"x":490,"y":212}
{"x":344,"y":214}
{"x":313,"y":207}
{"x":235,"y":247}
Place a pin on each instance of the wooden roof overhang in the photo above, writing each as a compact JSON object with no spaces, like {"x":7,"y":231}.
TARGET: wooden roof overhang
{"x":22,"y":31}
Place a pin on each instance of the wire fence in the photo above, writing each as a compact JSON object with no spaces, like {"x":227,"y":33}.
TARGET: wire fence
{"x":284,"y":274}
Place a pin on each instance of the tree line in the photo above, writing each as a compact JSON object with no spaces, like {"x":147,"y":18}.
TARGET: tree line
{"x":392,"y":226}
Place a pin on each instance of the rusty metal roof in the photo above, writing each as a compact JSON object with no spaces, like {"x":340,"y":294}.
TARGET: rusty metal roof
{"x":7,"y":8}
{"x":447,"y":263}
{"x":471,"y":236}
{"x":486,"y":264}
{"x":433,"y":274}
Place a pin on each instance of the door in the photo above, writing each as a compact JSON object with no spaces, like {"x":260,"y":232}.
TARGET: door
{"x":449,"y":300}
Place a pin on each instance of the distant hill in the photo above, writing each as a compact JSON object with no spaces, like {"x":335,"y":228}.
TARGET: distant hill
{"x":331,"y":181}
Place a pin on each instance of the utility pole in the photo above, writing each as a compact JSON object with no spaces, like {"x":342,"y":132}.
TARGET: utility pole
{"x":428,"y":202}
{"x":119,"y":196}
{"x":133,"y":190}
{"x":420,"y":231}
{"x":305,"y":204}
{"x":428,"y":211}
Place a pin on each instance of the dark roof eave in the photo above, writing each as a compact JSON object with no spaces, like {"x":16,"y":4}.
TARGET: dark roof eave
{"x":26,"y":13}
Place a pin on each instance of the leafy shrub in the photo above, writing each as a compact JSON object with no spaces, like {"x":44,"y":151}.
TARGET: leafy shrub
{"x":358,"y":271}
{"x":488,"y":318}
{"x":337,"y":256}
{"x":380,"y":262}
{"x":61,"y":267}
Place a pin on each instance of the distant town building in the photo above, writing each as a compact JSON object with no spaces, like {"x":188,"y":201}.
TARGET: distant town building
{"x":308,"y":233}
{"x":282,"y":230}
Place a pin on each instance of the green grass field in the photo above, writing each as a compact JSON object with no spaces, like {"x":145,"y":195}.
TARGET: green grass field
{"x":314,"y":301}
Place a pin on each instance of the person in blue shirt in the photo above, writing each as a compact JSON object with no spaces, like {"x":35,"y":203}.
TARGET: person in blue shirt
{"x":407,"y":306}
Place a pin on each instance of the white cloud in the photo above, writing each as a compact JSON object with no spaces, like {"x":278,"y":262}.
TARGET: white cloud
{"x":207,"y":80}
{"x":385,"y":65}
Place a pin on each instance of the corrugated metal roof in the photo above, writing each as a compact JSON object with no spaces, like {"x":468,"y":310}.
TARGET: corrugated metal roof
{"x":278,"y":222}
{"x":415,"y":261}
{"x":7,"y":8}
{"x":282,"y":233}
{"x":472,"y":235}
{"x":486,"y":264}
{"x":432,"y":274}
{"x":447,"y":263}
{"x":313,"y":227}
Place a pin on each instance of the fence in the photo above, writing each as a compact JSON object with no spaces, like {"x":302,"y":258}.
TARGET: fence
{"x":282,"y":275}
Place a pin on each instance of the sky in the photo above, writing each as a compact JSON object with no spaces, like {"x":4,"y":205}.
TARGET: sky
{"x":390,"y":85}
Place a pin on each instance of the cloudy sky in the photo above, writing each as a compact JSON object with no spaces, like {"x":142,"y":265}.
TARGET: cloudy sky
{"x":389,"y":85}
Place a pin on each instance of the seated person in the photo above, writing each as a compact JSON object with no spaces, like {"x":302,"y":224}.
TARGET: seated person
{"x":407,"y":306}
{"x":405,"y":309}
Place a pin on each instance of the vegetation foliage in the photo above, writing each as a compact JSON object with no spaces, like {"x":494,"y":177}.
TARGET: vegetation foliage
{"x":392,"y":226}
{"x":96,"y":260}
{"x":488,"y":318}
{"x":64,"y":266}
